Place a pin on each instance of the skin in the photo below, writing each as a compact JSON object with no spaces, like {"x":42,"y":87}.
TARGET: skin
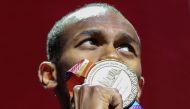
{"x":105,"y":36}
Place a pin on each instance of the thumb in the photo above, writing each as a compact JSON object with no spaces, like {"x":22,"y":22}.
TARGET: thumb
{"x":117,"y":102}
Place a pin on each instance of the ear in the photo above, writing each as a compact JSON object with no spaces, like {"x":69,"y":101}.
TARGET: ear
{"x":141,"y":85}
{"x":47,"y":75}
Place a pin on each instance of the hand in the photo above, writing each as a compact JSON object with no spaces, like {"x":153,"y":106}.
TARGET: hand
{"x":96,"y":97}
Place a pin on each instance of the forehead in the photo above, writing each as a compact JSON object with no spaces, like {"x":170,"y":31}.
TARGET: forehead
{"x":93,"y":17}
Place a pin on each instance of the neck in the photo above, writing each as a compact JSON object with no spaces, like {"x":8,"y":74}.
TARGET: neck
{"x":63,"y":97}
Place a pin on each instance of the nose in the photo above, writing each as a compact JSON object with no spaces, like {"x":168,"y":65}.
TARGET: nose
{"x":109,"y":52}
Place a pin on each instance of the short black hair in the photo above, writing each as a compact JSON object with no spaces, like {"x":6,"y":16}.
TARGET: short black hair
{"x":54,"y":45}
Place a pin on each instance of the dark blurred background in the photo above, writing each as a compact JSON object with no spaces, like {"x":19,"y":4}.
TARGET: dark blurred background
{"x":164,"y":28}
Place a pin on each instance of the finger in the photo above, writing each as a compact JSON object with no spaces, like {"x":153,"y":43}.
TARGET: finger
{"x":84,"y":95}
{"x":117,"y":102}
{"x":76,"y":96}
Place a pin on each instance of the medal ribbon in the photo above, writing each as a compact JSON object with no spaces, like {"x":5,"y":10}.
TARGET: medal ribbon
{"x":82,"y":68}
{"x":77,"y":74}
{"x":136,"y":105}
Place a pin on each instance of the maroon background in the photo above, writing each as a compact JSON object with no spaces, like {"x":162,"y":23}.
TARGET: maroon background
{"x":162,"y":24}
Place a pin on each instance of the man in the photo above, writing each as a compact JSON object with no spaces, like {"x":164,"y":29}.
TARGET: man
{"x":94,"y":32}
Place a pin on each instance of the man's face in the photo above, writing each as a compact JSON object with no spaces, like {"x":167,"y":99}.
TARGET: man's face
{"x":99,"y":37}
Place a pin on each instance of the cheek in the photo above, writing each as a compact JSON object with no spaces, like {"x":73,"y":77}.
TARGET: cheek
{"x":135,"y":65}
{"x":71,"y":57}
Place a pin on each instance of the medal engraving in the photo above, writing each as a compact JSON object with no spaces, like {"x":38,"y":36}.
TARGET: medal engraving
{"x":114,"y":74}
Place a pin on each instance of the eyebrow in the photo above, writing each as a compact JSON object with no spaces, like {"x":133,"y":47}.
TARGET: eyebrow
{"x":130,"y":39}
{"x":90,"y":32}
